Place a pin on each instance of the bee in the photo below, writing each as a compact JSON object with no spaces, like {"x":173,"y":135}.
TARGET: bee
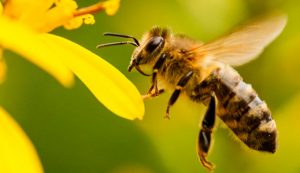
{"x":204,"y":72}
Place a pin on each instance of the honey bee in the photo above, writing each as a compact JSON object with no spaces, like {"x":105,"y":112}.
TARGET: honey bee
{"x":204,"y":72}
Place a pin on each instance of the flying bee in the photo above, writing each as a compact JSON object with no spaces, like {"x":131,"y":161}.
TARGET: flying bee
{"x":204,"y":72}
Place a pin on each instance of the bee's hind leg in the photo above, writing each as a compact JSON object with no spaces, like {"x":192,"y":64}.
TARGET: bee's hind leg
{"x":182,"y":82}
{"x":204,"y":138}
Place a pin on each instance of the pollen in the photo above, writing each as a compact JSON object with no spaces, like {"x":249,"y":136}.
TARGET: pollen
{"x":76,"y":22}
{"x":66,"y":13}
{"x":111,"y":7}
{"x":84,"y":15}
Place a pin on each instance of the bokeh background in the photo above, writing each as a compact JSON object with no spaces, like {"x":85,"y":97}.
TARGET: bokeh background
{"x":74,"y":133}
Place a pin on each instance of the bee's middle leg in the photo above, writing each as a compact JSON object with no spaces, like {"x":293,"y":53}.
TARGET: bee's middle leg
{"x":204,"y":138}
{"x":151,"y":94}
{"x":182,"y":82}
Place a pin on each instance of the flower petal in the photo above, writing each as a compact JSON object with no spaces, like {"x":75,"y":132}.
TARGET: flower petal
{"x":109,"y":86}
{"x":26,"y":10}
{"x":27,"y":43}
{"x":17,"y":153}
{"x":57,"y":16}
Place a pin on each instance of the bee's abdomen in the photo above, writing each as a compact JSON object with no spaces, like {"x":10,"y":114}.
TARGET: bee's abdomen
{"x":244,"y":112}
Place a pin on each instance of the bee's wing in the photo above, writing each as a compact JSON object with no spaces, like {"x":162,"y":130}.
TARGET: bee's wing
{"x":245,"y":43}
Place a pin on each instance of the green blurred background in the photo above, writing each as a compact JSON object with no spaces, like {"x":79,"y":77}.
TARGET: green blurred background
{"x":74,"y":133}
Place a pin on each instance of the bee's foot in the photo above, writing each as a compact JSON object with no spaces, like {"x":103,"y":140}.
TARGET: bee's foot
{"x":208,"y":165}
{"x":167,"y":116}
{"x":146,"y":96}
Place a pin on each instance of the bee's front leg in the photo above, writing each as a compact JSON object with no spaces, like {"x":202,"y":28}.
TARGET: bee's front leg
{"x":204,"y":138}
{"x":154,"y":91}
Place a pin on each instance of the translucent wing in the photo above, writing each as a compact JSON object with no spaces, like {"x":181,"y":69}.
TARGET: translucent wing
{"x":245,"y":43}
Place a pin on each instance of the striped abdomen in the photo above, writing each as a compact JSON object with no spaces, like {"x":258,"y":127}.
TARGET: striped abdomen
{"x":244,"y":112}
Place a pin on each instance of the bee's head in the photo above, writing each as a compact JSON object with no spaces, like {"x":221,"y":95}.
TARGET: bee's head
{"x":146,"y":51}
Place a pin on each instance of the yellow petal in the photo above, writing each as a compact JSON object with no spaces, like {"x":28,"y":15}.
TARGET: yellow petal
{"x":57,"y":16}
{"x":27,"y":43}
{"x":26,"y":10}
{"x":17,"y":154}
{"x":109,"y":86}
{"x":2,"y":67}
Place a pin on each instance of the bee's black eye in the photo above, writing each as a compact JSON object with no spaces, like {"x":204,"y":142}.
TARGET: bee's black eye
{"x":154,"y":43}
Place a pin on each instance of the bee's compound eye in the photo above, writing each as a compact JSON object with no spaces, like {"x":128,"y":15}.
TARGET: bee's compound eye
{"x":154,"y":43}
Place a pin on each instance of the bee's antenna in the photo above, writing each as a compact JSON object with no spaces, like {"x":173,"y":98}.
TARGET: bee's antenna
{"x":116,"y":43}
{"x":122,"y":35}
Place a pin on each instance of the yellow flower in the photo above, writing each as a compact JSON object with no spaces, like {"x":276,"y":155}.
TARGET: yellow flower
{"x":17,"y":153}
{"x":24,"y":27}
